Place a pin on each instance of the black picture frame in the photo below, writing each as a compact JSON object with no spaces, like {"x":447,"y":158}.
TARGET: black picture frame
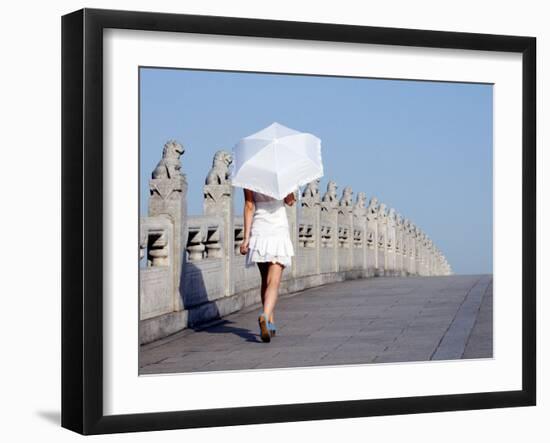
{"x":82,"y":219}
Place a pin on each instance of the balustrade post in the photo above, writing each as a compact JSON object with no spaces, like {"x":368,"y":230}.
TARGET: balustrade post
{"x":329,"y":208}
{"x":345,"y":229}
{"x":310,"y":210}
{"x":360,"y":228}
{"x":390,"y":243}
{"x":372,"y":236}
{"x":292,"y":215}
{"x":382,"y":219}
{"x":168,"y":196}
{"x":399,"y":245}
{"x":412,"y":250}
{"x":218,"y":200}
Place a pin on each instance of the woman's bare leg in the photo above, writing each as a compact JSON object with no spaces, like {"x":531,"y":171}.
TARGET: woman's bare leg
{"x":262,"y":266}
{"x":274,"y":274}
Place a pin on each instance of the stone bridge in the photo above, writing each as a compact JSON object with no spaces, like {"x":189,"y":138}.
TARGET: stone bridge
{"x":192,"y":271}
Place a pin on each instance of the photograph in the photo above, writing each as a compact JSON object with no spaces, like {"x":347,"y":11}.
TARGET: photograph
{"x":296,"y":220}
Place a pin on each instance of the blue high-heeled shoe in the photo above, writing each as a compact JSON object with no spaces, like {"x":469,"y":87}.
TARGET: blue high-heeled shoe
{"x":265,"y":331}
{"x":273,"y":328}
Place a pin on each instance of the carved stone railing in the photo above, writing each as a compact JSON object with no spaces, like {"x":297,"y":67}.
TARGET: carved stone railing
{"x":157,"y":277}
{"x":195,"y":272}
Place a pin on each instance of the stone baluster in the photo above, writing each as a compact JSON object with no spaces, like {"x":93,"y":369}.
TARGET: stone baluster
{"x":239,"y":238}
{"x":306,"y":237}
{"x":195,"y":243}
{"x":143,"y":238}
{"x":213,"y":242}
{"x":158,"y":249}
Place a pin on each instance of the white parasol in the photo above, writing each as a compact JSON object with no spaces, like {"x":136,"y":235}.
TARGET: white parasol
{"x":276,"y":161}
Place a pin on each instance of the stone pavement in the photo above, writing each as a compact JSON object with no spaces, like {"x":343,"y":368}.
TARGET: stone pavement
{"x":375,"y":320}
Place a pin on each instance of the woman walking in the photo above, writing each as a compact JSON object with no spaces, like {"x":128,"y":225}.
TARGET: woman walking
{"x":269,"y":165}
{"x":267,"y":244}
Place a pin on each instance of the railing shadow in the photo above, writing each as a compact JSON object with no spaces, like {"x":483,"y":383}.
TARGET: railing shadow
{"x":204,"y":316}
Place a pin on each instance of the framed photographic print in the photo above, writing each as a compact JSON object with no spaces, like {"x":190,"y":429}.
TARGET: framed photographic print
{"x":344,"y":215}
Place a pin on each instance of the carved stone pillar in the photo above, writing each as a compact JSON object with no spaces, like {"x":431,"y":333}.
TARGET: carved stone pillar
{"x":329,"y":210}
{"x":292,"y":216}
{"x":168,"y":196}
{"x":419,"y":253}
{"x":360,"y":228}
{"x":345,"y":229}
{"x":372,"y":236}
{"x":310,"y":209}
{"x":391,"y":239}
{"x":430,"y":258}
{"x":382,"y":219}
{"x":218,"y":200}
{"x":399,"y":245}
{"x":425,"y":254}
{"x":412,"y":250}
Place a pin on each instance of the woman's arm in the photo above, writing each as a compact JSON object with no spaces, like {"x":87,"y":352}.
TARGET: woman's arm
{"x":248,"y":213}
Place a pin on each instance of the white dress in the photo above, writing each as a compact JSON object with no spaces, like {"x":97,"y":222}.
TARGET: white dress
{"x":269,"y":234}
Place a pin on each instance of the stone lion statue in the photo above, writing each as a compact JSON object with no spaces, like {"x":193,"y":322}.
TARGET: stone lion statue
{"x":359,"y":207}
{"x":427,"y":241}
{"x":169,"y":165}
{"x":408,"y":226}
{"x":330,"y":195}
{"x":219,"y":172}
{"x":361,"y":200}
{"x":392,"y":217}
{"x":372,"y":209}
{"x":382,"y":214}
{"x":312,"y":189}
{"x":310,"y":194}
{"x":346,"y":199}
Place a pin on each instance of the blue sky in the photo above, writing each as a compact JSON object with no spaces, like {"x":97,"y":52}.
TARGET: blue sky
{"x":424,"y":148}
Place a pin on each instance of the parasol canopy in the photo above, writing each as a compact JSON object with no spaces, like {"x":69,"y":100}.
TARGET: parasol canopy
{"x":276,"y":161}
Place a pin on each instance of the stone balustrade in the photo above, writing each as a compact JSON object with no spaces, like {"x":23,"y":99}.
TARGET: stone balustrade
{"x":195,"y":272}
